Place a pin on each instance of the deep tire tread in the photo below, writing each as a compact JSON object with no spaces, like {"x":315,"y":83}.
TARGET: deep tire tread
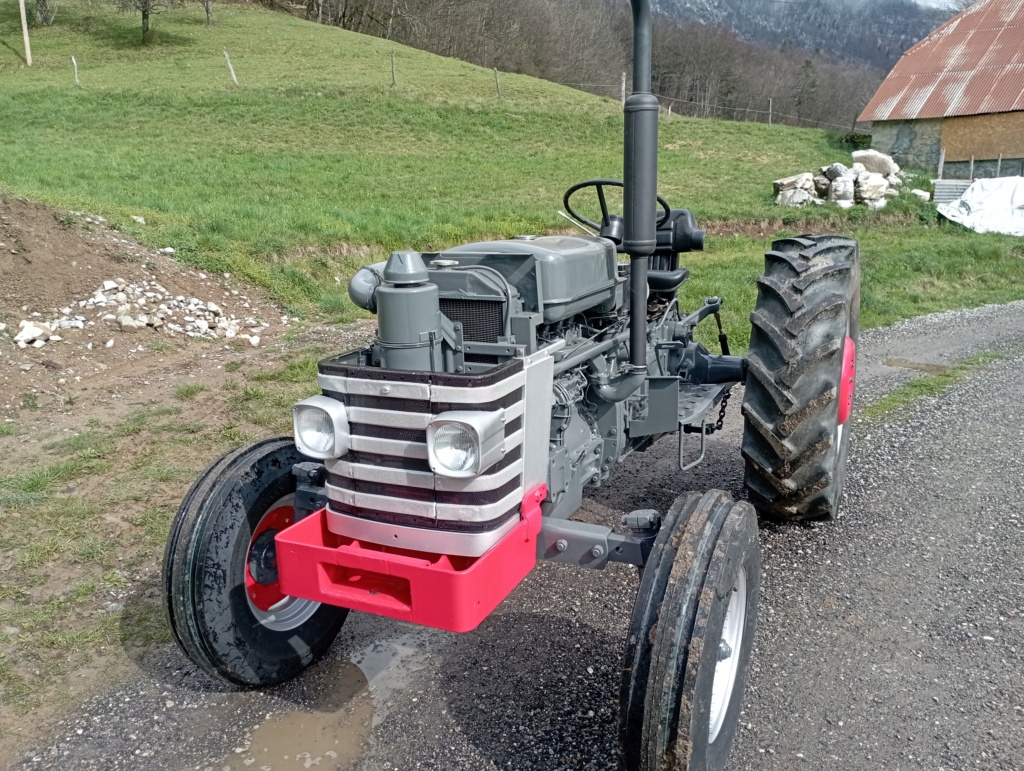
{"x":826,"y":307}
{"x":805,"y":300}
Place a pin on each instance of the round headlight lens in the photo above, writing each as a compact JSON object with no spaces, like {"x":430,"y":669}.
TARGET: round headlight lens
{"x":315,"y":430}
{"x":455,"y":447}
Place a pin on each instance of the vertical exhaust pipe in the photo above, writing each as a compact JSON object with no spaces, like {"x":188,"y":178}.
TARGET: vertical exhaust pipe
{"x":641,"y":180}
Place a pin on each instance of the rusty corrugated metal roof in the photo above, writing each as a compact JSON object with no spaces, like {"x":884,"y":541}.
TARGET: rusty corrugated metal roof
{"x":972,"y":64}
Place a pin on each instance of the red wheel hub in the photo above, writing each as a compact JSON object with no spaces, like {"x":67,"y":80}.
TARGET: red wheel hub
{"x":266,"y":596}
{"x":846,"y":382}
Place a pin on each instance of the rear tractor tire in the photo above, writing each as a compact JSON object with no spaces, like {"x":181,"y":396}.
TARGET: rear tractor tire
{"x":220,"y":572}
{"x":800,"y":381}
{"x":690,"y":638}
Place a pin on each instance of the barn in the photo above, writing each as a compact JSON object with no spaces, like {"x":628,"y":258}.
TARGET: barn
{"x":956,"y":99}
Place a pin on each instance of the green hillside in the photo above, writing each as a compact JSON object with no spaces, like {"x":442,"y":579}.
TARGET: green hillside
{"x":313,"y":153}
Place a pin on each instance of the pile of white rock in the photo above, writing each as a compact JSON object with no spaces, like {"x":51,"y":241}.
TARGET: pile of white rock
{"x":39,"y":333}
{"x":872,"y":180}
{"x":134,"y":307}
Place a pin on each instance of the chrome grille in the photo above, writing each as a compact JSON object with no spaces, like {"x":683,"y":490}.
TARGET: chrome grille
{"x":385,"y":475}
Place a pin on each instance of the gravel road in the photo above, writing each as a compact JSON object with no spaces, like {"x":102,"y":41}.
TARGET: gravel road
{"x":890,"y":638}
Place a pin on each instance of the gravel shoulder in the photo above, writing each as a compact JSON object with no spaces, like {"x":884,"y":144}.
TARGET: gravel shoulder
{"x":892,"y":638}
{"x":888,"y":638}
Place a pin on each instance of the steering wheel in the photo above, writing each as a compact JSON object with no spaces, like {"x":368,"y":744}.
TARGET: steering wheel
{"x":601,"y":184}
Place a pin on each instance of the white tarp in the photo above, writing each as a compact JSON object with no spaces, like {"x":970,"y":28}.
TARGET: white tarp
{"x":990,"y":206}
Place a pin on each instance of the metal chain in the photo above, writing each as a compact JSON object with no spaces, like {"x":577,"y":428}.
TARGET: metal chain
{"x":717,"y":426}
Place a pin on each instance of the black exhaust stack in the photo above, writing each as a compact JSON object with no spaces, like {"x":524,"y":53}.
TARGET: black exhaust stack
{"x":641,"y":180}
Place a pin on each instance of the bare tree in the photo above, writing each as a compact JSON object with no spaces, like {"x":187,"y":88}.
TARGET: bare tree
{"x":208,"y":7}
{"x":147,"y":8}
{"x":44,"y":12}
{"x":961,"y":5}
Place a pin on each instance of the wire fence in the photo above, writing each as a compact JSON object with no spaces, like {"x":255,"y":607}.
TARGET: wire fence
{"x":718,"y":109}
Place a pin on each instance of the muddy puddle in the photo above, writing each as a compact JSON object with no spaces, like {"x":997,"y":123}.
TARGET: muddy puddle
{"x":919,"y":366}
{"x":339,"y":712}
{"x":327,"y":734}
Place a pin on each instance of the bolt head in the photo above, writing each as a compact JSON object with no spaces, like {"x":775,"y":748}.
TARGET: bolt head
{"x":561,"y":544}
{"x":597,"y":551}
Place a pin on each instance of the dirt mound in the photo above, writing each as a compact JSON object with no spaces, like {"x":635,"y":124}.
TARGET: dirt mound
{"x":50,"y":258}
{"x":53,"y":266}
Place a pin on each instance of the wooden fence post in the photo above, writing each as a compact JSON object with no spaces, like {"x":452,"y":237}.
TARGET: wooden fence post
{"x":497,"y":83}
{"x":24,"y":33}
{"x":230,"y":67}
{"x":394,"y":74}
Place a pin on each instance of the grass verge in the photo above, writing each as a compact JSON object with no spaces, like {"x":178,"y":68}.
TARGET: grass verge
{"x":85,"y":527}
{"x":929,"y":385}
{"x":906,"y":271}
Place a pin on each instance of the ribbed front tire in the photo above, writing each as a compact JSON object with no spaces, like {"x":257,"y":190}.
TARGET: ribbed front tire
{"x":691,"y":637}
{"x":802,"y":355}
{"x":223,"y":601}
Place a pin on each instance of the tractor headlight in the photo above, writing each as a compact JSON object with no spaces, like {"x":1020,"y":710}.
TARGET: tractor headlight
{"x":465,"y":444}
{"x":321,"y":427}
{"x":455,"y":447}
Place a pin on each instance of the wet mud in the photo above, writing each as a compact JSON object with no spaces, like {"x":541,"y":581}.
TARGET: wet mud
{"x":327,"y":734}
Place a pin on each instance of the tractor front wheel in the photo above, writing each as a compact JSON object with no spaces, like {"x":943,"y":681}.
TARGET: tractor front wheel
{"x":226,"y":608}
{"x":690,"y":638}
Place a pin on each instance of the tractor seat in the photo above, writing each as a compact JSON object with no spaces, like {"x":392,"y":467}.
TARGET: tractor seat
{"x":667,"y":280}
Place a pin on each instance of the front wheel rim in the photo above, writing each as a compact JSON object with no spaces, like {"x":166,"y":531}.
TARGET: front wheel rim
{"x":730,"y":648}
{"x":272,"y":608}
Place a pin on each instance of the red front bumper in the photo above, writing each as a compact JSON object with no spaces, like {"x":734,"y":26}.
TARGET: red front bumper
{"x":437,"y":590}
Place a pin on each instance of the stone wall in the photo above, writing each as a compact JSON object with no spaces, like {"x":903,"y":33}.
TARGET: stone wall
{"x":911,"y":143}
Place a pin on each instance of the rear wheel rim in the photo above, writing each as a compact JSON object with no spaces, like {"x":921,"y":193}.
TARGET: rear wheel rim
{"x":269,"y":605}
{"x":847,"y":385}
{"x":729,"y":647}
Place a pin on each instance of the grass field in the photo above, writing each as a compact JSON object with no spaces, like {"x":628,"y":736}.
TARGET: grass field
{"x":314,"y":164}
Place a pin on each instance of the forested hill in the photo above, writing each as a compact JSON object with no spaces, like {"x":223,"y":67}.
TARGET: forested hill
{"x":802,"y":62}
{"x":869,"y":32}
